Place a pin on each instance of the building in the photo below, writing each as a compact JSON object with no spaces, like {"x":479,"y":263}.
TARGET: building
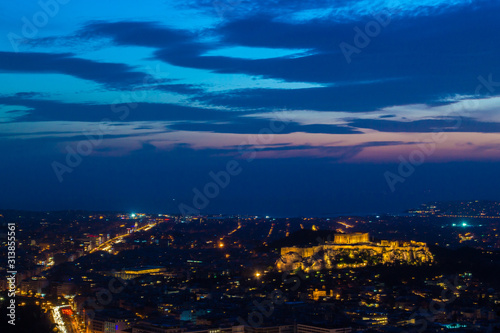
{"x":314,"y":329}
{"x":144,"y":327}
{"x":132,"y":273}
{"x":109,"y":321}
{"x":35,"y":284}
{"x":351,"y":251}
{"x":354,"y":238}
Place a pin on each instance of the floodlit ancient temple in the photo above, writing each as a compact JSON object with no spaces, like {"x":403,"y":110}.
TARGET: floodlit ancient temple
{"x":355,"y":238}
{"x":353,"y":250}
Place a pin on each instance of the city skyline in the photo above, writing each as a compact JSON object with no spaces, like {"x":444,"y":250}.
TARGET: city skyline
{"x":95,"y":272}
{"x":296,"y":108}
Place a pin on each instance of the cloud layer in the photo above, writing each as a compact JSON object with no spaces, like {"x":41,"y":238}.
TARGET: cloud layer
{"x":294,"y":82}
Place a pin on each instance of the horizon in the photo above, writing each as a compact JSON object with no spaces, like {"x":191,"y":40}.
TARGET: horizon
{"x":406,"y":212}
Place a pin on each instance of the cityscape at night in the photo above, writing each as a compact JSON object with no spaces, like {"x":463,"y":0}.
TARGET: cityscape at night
{"x":136,"y":272}
{"x":250,"y":166}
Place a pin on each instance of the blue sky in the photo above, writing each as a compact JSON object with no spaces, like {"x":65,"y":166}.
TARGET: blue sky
{"x":316,"y":92}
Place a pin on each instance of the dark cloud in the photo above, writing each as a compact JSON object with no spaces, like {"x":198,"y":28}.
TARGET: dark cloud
{"x":179,"y":88}
{"x":147,"y":34}
{"x":332,"y":153}
{"x":420,"y":46}
{"x":349,"y":98}
{"x":247,"y":125}
{"x":414,"y":59}
{"x":187,"y":118}
{"x":315,"y":68}
{"x":264,"y":31}
{"x":292,"y":186}
{"x":449,"y":124}
{"x":45,"y":110}
{"x":110,"y":74}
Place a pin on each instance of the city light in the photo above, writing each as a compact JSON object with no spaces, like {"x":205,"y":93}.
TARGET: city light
{"x":58,"y":319}
{"x":230,"y":252}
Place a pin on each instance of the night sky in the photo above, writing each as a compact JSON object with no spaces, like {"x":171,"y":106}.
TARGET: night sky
{"x":296,"y":107}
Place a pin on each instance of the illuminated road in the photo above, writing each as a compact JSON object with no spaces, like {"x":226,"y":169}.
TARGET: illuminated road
{"x":269,"y":234}
{"x":68,"y":324}
{"x":56,"y":313}
{"x":232,"y":232}
{"x":71,"y":325}
{"x":345,"y":224}
{"x":65,"y":324}
{"x":107,"y":245}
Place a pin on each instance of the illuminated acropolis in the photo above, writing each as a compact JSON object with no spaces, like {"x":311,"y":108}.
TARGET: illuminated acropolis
{"x":353,"y":250}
